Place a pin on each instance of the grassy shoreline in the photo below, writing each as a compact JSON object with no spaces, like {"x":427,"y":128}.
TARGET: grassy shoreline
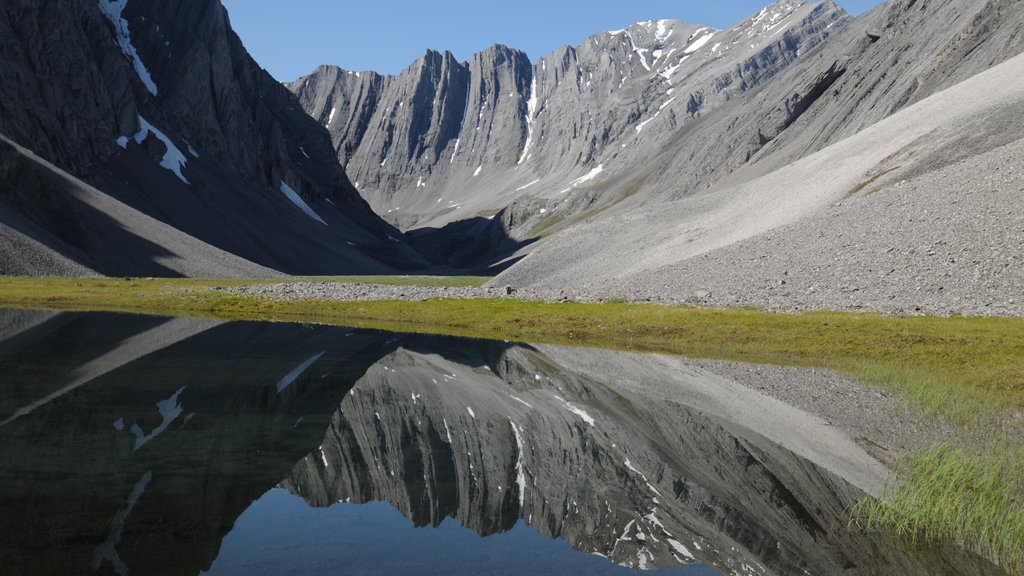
{"x":967,"y":370}
{"x":956,"y":366}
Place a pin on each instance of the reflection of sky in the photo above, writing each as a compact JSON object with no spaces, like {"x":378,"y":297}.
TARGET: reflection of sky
{"x":281,"y":534}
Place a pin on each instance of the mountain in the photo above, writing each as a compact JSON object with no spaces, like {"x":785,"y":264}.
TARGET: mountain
{"x":447,"y":140}
{"x":676,"y":163}
{"x":157,"y":112}
{"x":883,"y":193}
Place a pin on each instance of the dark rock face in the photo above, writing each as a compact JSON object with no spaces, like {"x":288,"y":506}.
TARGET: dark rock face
{"x":159,"y":105}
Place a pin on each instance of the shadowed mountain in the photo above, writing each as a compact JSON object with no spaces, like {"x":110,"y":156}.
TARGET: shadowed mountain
{"x":158,"y":106}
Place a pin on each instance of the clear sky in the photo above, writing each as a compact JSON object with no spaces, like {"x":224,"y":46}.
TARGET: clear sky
{"x":291,"y":38}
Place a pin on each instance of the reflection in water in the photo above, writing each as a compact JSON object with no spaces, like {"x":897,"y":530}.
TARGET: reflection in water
{"x":139,"y":445}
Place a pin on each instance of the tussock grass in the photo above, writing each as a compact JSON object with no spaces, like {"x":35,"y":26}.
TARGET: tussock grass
{"x":945,"y":494}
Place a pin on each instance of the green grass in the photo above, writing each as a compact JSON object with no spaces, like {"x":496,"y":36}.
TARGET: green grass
{"x":957,"y":366}
{"x":945,"y":494}
{"x":969,"y":370}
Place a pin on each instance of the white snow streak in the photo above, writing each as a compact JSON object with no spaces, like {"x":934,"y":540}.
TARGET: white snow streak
{"x":521,"y":188}
{"x":298,"y":201}
{"x":456,"y":150}
{"x":531,"y":114}
{"x":331,"y":117}
{"x":112,"y":10}
{"x":478,"y":170}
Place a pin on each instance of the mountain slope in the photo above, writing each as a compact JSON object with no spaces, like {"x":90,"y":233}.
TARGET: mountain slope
{"x":447,"y":141}
{"x":158,"y":105}
{"x":892,"y":198}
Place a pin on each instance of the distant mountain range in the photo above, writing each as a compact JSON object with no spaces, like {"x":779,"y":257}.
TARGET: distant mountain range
{"x":140,"y":138}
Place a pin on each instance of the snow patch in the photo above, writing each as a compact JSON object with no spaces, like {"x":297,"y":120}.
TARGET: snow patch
{"x":663,"y":32}
{"x":471,"y":413}
{"x":589,"y":175}
{"x":298,"y":201}
{"x":531,"y":114}
{"x":698,"y":43}
{"x":330,"y":118}
{"x":173,"y":159}
{"x":112,"y":10}
{"x":478,"y":170}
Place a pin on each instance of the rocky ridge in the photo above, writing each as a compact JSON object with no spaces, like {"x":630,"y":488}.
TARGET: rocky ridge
{"x":446,"y":141}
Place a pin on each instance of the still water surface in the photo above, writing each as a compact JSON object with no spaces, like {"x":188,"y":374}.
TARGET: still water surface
{"x":140,"y":445}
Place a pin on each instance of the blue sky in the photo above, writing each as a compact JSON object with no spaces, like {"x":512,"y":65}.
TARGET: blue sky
{"x":291,"y":38}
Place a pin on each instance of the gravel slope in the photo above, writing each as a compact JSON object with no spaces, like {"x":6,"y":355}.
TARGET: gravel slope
{"x":941,"y":242}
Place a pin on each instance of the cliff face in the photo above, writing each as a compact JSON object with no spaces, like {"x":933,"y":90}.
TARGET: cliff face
{"x":446,"y":141}
{"x":159,"y":105}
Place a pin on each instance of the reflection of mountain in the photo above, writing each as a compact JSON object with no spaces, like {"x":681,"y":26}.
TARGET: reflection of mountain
{"x":148,"y":465}
{"x":556,"y":437}
{"x":173,"y":428}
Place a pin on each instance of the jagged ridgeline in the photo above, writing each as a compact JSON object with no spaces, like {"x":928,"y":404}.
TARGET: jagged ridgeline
{"x":648,"y":115}
{"x":448,"y":140}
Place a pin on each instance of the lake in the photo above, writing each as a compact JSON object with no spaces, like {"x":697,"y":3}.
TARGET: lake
{"x":145,"y":445}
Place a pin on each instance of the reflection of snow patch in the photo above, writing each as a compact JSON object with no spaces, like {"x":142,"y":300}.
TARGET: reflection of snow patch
{"x":520,"y":468}
{"x":471,"y":413}
{"x":447,"y":431}
{"x":295,"y":373}
{"x":680,"y":548}
{"x":169,"y":410}
{"x":107,"y":550}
